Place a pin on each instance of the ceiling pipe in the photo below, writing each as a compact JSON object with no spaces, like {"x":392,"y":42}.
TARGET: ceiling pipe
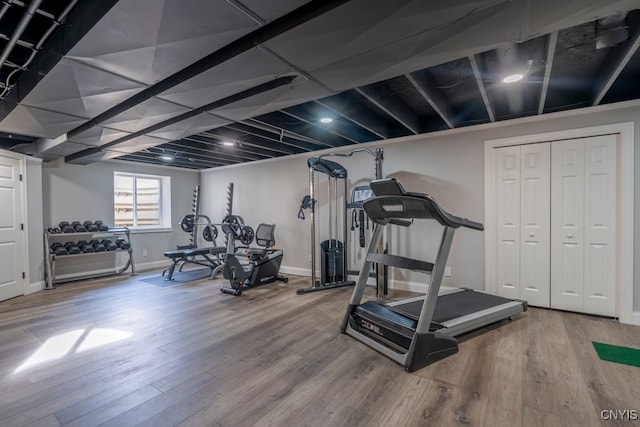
{"x":258,"y":36}
{"x":5,"y":7}
{"x":22,"y":25}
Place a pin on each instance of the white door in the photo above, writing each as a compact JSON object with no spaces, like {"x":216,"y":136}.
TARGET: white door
{"x":507,"y":161}
{"x":600,"y":225}
{"x":11,"y":254}
{"x":583,"y":224}
{"x":567,"y":224}
{"x":535,"y":224}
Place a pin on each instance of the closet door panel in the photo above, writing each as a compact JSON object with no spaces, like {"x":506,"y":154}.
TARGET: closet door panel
{"x":535,"y":224}
{"x":508,"y":221}
{"x":600,"y":225}
{"x":567,"y":224}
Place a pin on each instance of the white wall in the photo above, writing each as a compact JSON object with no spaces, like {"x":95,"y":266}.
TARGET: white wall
{"x":448,"y":165}
{"x":81,"y":193}
{"x":35,"y":223}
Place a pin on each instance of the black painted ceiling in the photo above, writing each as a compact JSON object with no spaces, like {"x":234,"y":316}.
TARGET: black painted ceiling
{"x":170,"y":81}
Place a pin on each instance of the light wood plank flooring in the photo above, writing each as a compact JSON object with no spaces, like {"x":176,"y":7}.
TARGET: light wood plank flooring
{"x":130,"y":353}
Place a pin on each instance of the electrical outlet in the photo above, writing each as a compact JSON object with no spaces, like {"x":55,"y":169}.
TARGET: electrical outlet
{"x":447,"y":271}
{"x":145,"y":253}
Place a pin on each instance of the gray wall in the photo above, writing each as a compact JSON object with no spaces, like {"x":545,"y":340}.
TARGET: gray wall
{"x":75,"y":192}
{"x":448,"y":166}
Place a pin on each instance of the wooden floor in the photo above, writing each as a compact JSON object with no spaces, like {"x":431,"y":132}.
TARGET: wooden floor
{"x":189,"y":355}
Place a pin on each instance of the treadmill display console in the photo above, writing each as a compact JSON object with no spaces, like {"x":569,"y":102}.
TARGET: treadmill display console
{"x":360,"y":194}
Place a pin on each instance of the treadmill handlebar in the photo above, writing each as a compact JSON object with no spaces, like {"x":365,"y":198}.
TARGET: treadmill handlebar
{"x":392,"y":203}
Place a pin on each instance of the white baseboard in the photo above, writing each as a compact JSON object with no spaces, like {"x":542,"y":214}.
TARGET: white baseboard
{"x":152,"y":265}
{"x":635,"y":318}
{"x":295,"y":271}
{"x":35,"y":287}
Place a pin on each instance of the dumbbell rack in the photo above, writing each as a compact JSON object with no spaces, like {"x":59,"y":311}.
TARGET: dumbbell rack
{"x":50,"y":259}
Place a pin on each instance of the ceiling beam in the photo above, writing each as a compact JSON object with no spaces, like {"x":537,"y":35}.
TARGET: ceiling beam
{"x":247,"y":93}
{"x":552,"y":41}
{"x":616,"y":60}
{"x":217,"y":155}
{"x":394,"y":110}
{"x":155,"y":160}
{"x":481,"y":88}
{"x":280,"y":119}
{"x":278,"y":26}
{"x":435,"y":98}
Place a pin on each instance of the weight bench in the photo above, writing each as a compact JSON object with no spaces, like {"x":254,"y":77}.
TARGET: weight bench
{"x":209,"y":257}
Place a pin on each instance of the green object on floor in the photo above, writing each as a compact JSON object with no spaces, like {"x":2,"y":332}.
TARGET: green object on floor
{"x":618,"y":354}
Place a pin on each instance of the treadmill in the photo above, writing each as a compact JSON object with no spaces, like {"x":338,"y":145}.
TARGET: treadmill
{"x":417,"y":332}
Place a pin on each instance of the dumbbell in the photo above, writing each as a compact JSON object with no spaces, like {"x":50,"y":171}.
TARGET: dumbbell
{"x":58,"y":248}
{"x":72,"y":248}
{"x":101,"y":225}
{"x":109,"y":245}
{"x":123,"y":244}
{"x":79,"y":228}
{"x":97,"y":246}
{"x":85,"y":247}
{"x":90,"y":227}
{"x":66,"y":227}
{"x":54,"y":230}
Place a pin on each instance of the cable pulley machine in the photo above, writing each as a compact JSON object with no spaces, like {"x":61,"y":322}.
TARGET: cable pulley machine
{"x":334,"y":250}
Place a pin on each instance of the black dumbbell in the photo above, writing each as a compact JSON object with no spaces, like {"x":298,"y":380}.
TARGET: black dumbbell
{"x":63,"y":224}
{"x":90,"y":227}
{"x":97,"y":246}
{"x":58,"y":248}
{"x":79,"y":228}
{"x":101,"y":225}
{"x":109,"y":245}
{"x":85,"y":247}
{"x":123,"y":244}
{"x":54,"y":230}
{"x":72,"y":248}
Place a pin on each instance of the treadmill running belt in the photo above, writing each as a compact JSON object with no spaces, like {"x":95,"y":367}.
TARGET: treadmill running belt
{"x":453,"y":305}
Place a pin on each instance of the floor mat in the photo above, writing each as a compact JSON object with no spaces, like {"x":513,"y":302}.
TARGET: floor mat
{"x":618,"y":354}
{"x":179,"y":277}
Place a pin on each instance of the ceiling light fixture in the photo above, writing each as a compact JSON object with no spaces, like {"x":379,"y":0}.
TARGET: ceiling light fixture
{"x":326,"y":120}
{"x":512,"y":78}
{"x":167,"y":158}
{"x":228,"y":143}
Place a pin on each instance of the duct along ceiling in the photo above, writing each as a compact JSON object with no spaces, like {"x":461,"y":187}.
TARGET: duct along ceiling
{"x":207,"y":83}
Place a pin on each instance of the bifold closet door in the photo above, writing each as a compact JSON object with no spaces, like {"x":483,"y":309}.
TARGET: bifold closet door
{"x":583,"y":224}
{"x":522,"y":209}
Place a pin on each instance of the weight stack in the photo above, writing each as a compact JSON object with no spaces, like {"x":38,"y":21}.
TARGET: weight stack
{"x":332,"y":261}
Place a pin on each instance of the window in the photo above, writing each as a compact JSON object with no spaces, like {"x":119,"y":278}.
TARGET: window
{"x":141,"y":201}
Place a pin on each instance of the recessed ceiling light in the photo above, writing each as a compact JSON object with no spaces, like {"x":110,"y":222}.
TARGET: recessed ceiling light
{"x":228,"y":143}
{"x":168,"y":158}
{"x":512,"y":78}
{"x":326,"y":120}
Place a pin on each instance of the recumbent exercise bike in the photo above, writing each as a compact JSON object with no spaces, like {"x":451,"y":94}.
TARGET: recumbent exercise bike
{"x":264,"y":262}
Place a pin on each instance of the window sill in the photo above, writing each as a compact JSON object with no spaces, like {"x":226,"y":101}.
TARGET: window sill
{"x":150,"y":230}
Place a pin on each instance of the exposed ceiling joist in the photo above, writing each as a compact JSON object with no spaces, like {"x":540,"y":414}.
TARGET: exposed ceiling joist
{"x":353,"y":116}
{"x":435,"y":99}
{"x":395,"y":111}
{"x":268,"y":127}
{"x":319,"y":127}
{"x":618,"y":58}
{"x":481,"y":88}
{"x":281,"y":141}
{"x":221,"y":136}
{"x":266,"y":148}
{"x":552,"y":41}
